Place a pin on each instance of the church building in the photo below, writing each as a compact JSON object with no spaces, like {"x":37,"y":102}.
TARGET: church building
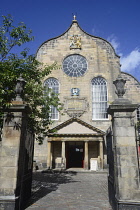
{"x":87,"y":65}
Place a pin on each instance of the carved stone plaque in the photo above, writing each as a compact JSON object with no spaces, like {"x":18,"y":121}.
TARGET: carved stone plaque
{"x":75,"y":107}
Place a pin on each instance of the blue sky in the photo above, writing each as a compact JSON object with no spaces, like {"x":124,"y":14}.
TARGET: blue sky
{"x":118,"y":21}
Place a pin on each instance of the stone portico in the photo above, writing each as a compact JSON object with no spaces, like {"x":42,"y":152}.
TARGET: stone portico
{"x":75,"y":144}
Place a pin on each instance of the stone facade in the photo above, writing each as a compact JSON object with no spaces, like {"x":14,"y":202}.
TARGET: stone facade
{"x":103,"y":62}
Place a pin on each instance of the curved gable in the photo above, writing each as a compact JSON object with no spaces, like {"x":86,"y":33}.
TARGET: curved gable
{"x":132,"y":87}
{"x":75,"y":28}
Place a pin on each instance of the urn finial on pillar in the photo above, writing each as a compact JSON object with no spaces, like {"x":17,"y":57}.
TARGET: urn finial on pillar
{"x":119,"y":84}
{"x":120,"y":91}
{"x":20,"y":88}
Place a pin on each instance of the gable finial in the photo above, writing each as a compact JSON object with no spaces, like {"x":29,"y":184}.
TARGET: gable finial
{"x":74,"y":18}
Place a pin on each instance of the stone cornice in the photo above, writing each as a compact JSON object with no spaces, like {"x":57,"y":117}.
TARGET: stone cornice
{"x":74,"y":135}
{"x":122,"y":107}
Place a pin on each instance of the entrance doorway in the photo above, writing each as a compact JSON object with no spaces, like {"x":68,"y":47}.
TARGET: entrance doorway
{"x":75,"y":155}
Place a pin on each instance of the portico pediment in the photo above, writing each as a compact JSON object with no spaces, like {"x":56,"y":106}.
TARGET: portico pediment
{"x":76,"y":126}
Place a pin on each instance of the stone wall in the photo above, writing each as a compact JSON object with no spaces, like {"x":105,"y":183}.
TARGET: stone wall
{"x":132,"y":87}
{"x":40,"y":154}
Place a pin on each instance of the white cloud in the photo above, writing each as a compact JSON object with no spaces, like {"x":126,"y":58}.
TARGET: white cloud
{"x":131,"y":61}
{"x":93,"y":30}
{"x":114,"y":41}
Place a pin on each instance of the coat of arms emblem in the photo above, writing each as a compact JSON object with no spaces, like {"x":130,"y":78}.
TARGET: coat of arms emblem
{"x":75,"y":42}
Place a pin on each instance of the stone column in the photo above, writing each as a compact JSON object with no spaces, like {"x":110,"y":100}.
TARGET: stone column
{"x":101,"y":153}
{"x":125,"y":155}
{"x":86,"y":162}
{"x":49,"y":155}
{"x":63,"y":155}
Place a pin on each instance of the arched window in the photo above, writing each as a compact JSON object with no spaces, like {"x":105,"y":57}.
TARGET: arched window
{"x":99,"y":98}
{"x":53,"y":84}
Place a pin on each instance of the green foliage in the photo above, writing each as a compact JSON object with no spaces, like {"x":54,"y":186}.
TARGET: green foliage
{"x":13,"y":65}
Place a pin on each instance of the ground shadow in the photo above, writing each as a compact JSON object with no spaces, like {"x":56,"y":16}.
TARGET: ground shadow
{"x":47,"y":181}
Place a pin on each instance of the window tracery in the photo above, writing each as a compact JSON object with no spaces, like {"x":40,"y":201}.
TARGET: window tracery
{"x":75,"y":65}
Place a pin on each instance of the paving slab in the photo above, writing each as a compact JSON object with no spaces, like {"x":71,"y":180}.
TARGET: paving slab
{"x":69,"y":191}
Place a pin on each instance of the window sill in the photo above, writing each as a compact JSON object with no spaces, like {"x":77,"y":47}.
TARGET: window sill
{"x":107,"y":120}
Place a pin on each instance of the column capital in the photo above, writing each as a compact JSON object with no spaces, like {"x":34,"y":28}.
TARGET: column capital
{"x":17,"y":108}
{"x":101,"y":140}
{"x":122,"y":108}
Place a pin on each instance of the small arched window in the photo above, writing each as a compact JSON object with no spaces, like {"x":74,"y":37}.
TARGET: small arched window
{"x":53,"y":85}
{"x":99,"y":98}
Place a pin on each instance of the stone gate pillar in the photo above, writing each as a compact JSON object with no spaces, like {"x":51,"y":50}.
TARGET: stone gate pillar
{"x":16,"y":158}
{"x":126,"y":170}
